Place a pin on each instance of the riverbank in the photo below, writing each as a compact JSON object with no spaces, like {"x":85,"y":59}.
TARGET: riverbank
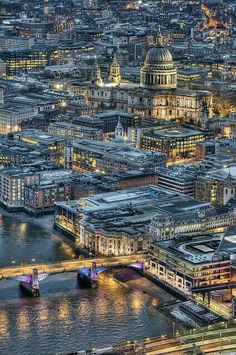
{"x":132,"y":279}
{"x":161,"y":299}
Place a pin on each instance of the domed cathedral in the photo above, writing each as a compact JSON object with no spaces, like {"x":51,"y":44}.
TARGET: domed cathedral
{"x":159,"y":71}
{"x":157,"y":96}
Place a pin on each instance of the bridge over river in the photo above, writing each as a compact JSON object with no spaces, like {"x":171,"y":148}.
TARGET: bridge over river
{"x":71,"y":265}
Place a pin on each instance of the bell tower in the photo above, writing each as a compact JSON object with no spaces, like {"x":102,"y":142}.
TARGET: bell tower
{"x":96,"y":77}
{"x":115,"y":76}
{"x":119,"y":131}
{"x":204,"y":119}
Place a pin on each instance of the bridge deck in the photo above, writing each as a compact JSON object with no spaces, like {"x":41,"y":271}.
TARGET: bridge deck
{"x":70,"y":265}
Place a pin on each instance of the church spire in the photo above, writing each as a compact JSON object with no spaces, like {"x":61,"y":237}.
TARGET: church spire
{"x":159,"y":37}
{"x":119,"y":131}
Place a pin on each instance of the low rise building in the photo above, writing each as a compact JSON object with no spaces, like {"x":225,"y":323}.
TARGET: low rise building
{"x":203,"y":149}
{"x":113,"y":157}
{"x":190,"y":263}
{"x":117,"y":223}
{"x":108,"y":120}
{"x":55,"y":145}
{"x":177,"y":143}
{"x":217,"y":186}
{"x":179,"y":178}
{"x":54,"y":185}
{"x":172,"y":221}
{"x":73,"y":131}
{"x":12,"y":186}
{"x":13,"y":116}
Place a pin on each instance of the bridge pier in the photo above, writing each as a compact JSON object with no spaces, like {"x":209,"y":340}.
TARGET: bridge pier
{"x":88,"y":276}
{"x":30,"y":284}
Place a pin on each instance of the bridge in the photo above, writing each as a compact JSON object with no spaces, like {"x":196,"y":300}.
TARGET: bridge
{"x":71,"y":265}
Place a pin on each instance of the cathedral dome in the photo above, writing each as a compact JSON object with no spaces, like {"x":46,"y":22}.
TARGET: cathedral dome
{"x":157,"y":55}
{"x":158,"y":71}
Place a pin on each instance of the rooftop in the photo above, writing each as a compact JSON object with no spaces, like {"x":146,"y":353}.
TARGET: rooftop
{"x":194,"y":250}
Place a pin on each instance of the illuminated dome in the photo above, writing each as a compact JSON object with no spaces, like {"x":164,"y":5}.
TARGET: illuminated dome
{"x":158,"y":71}
{"x":158,"y":55}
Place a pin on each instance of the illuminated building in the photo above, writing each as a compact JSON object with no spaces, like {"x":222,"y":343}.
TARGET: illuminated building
{"x":37,"y":29}
{"x":28,"y":59}
{"x":12,"y":186}
{"x":74,"y":131}
{"x":118,"y":222}
{"x":176,"y":143}
{"x":107,"y":120}
{"x":111,"y":157}
{"x":55,"y":185}
{"x":217,"y":186}
{"x":179,"y":178}
{"x":157,"y":96}
{"x":55,"y":145}
{"x":190,"y":262}
{"x":189,"y":219}
{"x":12,"y":116}
{"x":115,"y":76}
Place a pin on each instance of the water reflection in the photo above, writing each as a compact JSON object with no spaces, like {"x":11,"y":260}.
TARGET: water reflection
{"x":24,"y":242}
{"x":76,"y":319}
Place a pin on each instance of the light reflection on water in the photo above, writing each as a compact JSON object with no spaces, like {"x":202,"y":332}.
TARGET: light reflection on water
{"x":78,"y":319}
{"x":21,"y":241}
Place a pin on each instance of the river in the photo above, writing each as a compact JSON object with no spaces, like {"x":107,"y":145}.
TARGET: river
{"x":66,"y":317}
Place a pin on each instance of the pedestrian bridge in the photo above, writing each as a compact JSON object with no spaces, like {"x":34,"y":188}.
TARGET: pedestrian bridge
{"x":72,"y":265}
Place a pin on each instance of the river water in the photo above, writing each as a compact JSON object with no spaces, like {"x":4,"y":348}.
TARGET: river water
{"x":66,"y":317}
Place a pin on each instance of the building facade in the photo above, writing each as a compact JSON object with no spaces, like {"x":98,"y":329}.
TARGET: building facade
{"x":12,"y":186}
{"x":112,"y":157}
{"x":191,"y":263}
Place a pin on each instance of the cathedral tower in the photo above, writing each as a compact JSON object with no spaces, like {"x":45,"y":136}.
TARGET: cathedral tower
{"x":115,"y":76}
{"x":96,"y":77}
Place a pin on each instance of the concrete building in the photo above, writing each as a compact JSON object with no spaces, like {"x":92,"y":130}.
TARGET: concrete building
{"x":74,"y":131}
{"x":13,"y":116}
{"x":181,"y":179}
{"x":54,"y":185}
{"x":118,"y":222}
{"x":113,"y":157}
{"x":190,"y":263}
{"x":189,"y":220}
{"x":55,"y":145}
{"x":177,"y":143}
{"x":217,"y":186}
{"x":12,"y":186}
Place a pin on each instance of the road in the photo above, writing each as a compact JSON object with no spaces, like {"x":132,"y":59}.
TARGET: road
{"x":214,"y":339}
{"x":70,"y":265}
